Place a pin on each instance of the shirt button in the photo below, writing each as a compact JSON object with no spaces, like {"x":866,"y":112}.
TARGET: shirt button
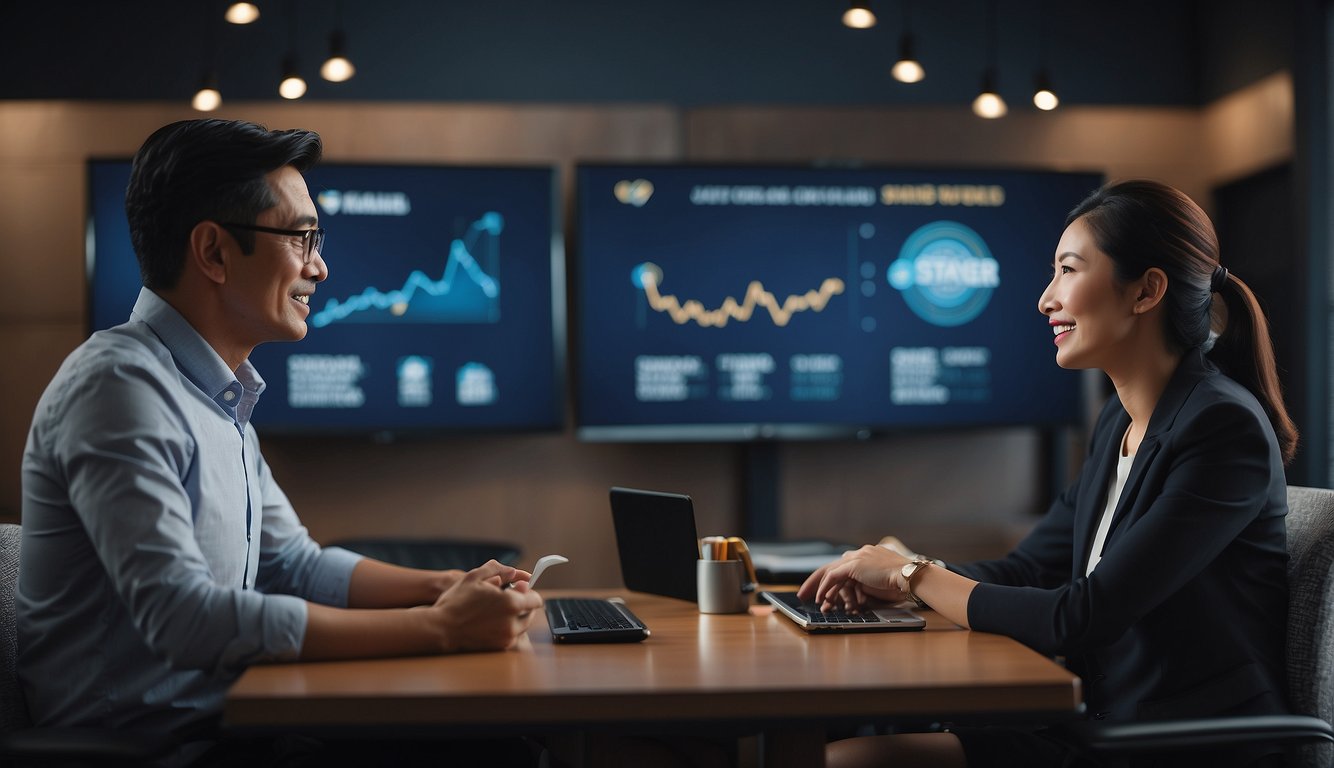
{"x":229,"y":395}
{"x":1100,"y":716}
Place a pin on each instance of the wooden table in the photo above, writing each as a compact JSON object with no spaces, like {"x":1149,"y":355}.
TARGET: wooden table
{"x":755,"y":672}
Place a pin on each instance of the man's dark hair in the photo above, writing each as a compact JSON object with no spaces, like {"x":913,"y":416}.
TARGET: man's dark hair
{"x":198,"y":170}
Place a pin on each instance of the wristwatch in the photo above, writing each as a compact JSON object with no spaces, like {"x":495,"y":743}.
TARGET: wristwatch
{"x":909,"y":570}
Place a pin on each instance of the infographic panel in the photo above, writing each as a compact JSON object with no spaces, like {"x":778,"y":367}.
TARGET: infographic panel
{"x":780,"y":297}
{"x":438,"y":312}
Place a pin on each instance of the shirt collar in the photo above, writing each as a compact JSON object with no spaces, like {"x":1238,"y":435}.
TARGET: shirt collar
{"x":196,"y":359}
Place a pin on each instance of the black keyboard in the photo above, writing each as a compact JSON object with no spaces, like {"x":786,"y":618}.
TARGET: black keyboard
{"x":592,"y":620}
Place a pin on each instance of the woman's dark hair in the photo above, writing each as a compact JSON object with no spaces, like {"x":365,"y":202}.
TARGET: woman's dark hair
{"x":197,"y":170}
{"x":1143,"y":224}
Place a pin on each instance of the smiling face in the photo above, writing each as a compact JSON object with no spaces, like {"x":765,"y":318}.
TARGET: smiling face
{"x":1092,"y":318}
{"x":268,"y":291}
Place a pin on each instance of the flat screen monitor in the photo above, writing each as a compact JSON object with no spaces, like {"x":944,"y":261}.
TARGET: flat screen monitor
{"x":735,"y":303}
{"x":443,"y":310}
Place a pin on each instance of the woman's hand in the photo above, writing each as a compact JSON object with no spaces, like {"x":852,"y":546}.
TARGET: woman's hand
{"x":857,"y":578}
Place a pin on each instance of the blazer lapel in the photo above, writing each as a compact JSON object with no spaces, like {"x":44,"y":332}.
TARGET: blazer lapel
{"x":1148,"y":448}
{"x":1093,"y":494}
{"x":1192,"y":369}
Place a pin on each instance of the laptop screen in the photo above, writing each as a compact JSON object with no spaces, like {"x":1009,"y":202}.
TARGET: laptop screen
{"x":656,"y":541}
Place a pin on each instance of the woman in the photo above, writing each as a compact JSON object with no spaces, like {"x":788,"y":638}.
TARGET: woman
{"x":1160,"y":574}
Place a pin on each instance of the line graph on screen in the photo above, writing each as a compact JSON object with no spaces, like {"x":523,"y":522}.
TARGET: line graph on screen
{"x":466,"y":291}
{"x":648,"y":276}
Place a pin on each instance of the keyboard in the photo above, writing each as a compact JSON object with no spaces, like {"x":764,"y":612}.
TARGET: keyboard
{"x":810,"y":618}
{"x":592,"y":620}
{"x":816,"y":616}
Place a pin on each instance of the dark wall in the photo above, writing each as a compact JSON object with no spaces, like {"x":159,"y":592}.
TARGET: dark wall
{"x":1241,"y":41}
{"x":1258,"y":238}
{"x":685,"y":52}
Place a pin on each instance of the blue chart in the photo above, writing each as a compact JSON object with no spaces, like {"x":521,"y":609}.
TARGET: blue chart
{"x":466,"y":291}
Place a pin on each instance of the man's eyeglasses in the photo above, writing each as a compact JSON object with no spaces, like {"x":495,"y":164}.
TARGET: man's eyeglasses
{"x":311,"y":239}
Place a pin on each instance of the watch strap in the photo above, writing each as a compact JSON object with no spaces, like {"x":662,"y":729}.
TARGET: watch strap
{"x":920,"y":563}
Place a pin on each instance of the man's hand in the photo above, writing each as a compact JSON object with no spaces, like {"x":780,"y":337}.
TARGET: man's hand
{"x":477,"y":613}
{"x":444,"y":580}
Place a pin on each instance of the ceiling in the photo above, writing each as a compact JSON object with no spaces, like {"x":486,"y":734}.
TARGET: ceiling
{"x":685,"y":52}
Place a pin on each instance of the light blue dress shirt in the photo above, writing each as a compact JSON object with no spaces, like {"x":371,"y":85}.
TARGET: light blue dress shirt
{"x":159,"y":556}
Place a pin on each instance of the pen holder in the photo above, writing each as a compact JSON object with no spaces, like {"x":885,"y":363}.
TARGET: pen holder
{"x":721,"y":585}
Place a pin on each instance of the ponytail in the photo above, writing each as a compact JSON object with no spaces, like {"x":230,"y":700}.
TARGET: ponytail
{"x":1245,"y":352}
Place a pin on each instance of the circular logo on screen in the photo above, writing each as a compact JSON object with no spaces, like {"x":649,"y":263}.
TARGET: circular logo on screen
{"x":946,"y":273}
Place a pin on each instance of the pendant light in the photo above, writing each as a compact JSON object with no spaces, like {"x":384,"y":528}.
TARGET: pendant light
{"x":907,"y":69}
{"x":292,"y":85}
{"x":859,"y":15}
{"x":989,"y":103}
{"x":241,"y":13}
{"x":337,"y":68}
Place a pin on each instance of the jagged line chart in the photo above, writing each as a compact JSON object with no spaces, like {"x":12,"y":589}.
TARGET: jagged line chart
{"x":648,"y":276}
{"x":461,"y":263}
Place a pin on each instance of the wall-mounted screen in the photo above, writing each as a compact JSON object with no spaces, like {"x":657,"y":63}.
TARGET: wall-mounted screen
{"x":724,"y":303}
{"x":443,"y":310}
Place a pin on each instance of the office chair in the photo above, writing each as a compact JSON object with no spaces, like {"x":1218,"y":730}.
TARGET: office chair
{"x":1310,"y":663}
{"x":13,"y":712}
{"x":433,"y":554}
{"x":21,"y":744}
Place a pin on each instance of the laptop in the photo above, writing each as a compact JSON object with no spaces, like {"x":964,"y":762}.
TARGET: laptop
{"x":656,"y":541}
{"x":809,"y":617}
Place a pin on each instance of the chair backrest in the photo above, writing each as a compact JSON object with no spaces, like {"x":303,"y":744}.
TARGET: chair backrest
{"x":13,"y":712}
{"x":433,"y":554}
{"x":1311,"y":611}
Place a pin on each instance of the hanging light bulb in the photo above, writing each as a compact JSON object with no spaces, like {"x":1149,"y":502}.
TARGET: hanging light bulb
{"x":241,"y":13}
{"x":1044,"y":98}
{"x":907,"y":69}
{"x":292,"y":86}
{"x":989,"y":103}
{"x":337,"y":68}
{"x":859,"y":15}
{"x":208,"y":97}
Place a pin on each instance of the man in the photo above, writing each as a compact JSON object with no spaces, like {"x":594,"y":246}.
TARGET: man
{"x":160,"y":557}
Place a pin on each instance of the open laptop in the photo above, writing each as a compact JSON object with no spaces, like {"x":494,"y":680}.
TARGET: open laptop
{"x":656,"y":541}
{"x":809,"y":617}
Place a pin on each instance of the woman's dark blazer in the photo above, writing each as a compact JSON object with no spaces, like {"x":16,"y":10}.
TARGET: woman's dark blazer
{"x":1185,"y":614}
